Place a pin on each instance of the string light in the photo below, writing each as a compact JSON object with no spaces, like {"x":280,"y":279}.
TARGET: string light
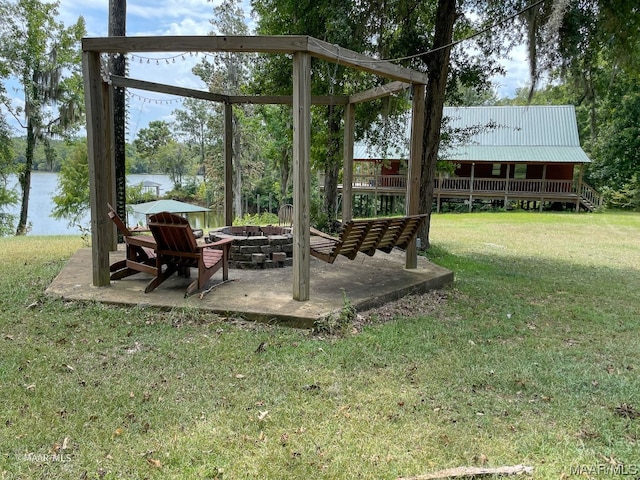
{"x":135,"y":58}
{"x":154,"y":101}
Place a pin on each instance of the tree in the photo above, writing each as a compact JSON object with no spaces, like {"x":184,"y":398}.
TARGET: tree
{"x":118,"y":66}
{"x":402,"y":28}
{"x":43,"y":56}
{"x":72,"y":198}
{"x":200,"y":126}
{"x":335,"y":21}
{"x":226,"y":73}
{"x":279,"y":152}
{"x":437,"y":70}
{"x":8,"y":197}
{"x":174,"y":159}
{"x":151,"y":139}
{"x":592,"y":66}
{"x":617,"y":148}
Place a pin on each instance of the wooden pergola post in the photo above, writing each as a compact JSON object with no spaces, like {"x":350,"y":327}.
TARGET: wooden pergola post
{"x":414,"y":170}
{"x":347,"y":162}
{"x":99,"y":151}
{"x":301,"y":174}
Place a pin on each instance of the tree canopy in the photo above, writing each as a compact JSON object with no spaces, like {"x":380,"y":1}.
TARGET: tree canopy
{"x":43,"y":55}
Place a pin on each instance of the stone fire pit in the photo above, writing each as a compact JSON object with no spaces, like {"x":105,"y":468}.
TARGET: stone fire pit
{"x":257,"y":247}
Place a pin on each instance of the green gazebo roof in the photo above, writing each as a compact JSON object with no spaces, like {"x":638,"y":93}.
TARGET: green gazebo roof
{"x":172,"y":206}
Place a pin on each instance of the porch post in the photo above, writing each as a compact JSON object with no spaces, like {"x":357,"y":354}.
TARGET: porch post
{"x":579,"y":188}
{"x":543,"y":187}
{"x":228,"y":164}
{"x":375,"y":189}
{"x":301,"y":174}
{"x":98,"y":149}
{"x":414,"y":172}
{"x":506,"y":186}
{"x":347,"y":162}
{"x":439,"y":192}
{"x":473,"y":173}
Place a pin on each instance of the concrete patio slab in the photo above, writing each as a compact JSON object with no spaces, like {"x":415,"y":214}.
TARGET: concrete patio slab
{"x":264,"y":294}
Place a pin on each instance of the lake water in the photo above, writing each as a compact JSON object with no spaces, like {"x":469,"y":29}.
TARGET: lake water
{"x":43,"y":188}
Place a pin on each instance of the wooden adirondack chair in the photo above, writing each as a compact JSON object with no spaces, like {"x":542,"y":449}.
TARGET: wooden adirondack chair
{"x":285,"y":215}
{"x":365,"y":236}
{"x":178,"y":249}
{"x":140,"y":251}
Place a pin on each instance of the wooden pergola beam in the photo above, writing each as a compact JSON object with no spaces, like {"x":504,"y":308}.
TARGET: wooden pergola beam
{"x":358,"y":61}
{"x":287,"y":99}
{"x":125,"y":82}
{"x":283,"y":44}
{"x":238,"y":44}
{"x":378,"y":92}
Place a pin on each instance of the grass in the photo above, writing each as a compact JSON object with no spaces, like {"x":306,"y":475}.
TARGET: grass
{"x":532,"y":359}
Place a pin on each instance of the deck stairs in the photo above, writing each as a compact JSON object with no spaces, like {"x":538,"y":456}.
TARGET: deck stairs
{"x":590,"y":199}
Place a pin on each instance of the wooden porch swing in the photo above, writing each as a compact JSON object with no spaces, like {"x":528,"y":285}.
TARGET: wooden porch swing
{"x":366,"y":236}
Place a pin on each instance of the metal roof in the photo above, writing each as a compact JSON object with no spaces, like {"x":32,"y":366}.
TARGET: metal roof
{"x":517,"y":154}
{"x":172,"y":206}
{"x":364,"y":151}
{"x":533,"y":134}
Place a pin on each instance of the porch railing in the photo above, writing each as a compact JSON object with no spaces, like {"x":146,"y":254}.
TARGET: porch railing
{"x":467,"y":185}
{"x":503,"y":185}
{"x":379,"y":181}
{"x":588,"y":193}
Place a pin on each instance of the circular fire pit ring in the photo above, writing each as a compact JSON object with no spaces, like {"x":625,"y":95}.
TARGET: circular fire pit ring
{"x":257,"y":247}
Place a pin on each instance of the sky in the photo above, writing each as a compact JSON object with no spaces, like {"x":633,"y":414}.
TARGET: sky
{"x":187,"y":17}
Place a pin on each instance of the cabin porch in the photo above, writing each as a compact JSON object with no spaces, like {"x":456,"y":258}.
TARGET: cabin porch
{"x":574,"y":192}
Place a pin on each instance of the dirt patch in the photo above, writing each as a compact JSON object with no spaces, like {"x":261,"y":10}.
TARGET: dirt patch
{"x":429,"y":303}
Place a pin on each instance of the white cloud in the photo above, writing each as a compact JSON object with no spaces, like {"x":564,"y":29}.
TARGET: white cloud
{"x":148,"y":18}
{"x":517,"y":73}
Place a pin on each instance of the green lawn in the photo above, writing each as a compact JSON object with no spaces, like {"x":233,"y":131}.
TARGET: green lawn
{"x":532,"y":357}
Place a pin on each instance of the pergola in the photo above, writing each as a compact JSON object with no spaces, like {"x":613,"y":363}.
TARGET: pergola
{"x":100,"y":138}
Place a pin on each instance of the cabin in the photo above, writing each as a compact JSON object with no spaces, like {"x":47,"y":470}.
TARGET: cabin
{"x":510,"y":155}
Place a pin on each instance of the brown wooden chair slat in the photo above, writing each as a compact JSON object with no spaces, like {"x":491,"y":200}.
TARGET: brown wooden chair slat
{"x":178,"y":249}
{"x":140,"y":251}
{"x":366,"y":236}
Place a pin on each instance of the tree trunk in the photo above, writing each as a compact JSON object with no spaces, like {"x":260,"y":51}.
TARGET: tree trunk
{"x":25,"y":180}
{"x":117,"y":28}
{"x":333,"y":164}
{"x":285,"y":168}
{"x":237,"y":170}
{"x":438,"y":70}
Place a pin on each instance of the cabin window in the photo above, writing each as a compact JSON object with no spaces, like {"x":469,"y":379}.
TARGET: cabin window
{"x":520,"y":171}
{"x":496,"y":169}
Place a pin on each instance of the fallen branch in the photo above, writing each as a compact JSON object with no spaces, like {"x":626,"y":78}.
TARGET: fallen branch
{"x":215,"y":286}
{"x":472,"y":471}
